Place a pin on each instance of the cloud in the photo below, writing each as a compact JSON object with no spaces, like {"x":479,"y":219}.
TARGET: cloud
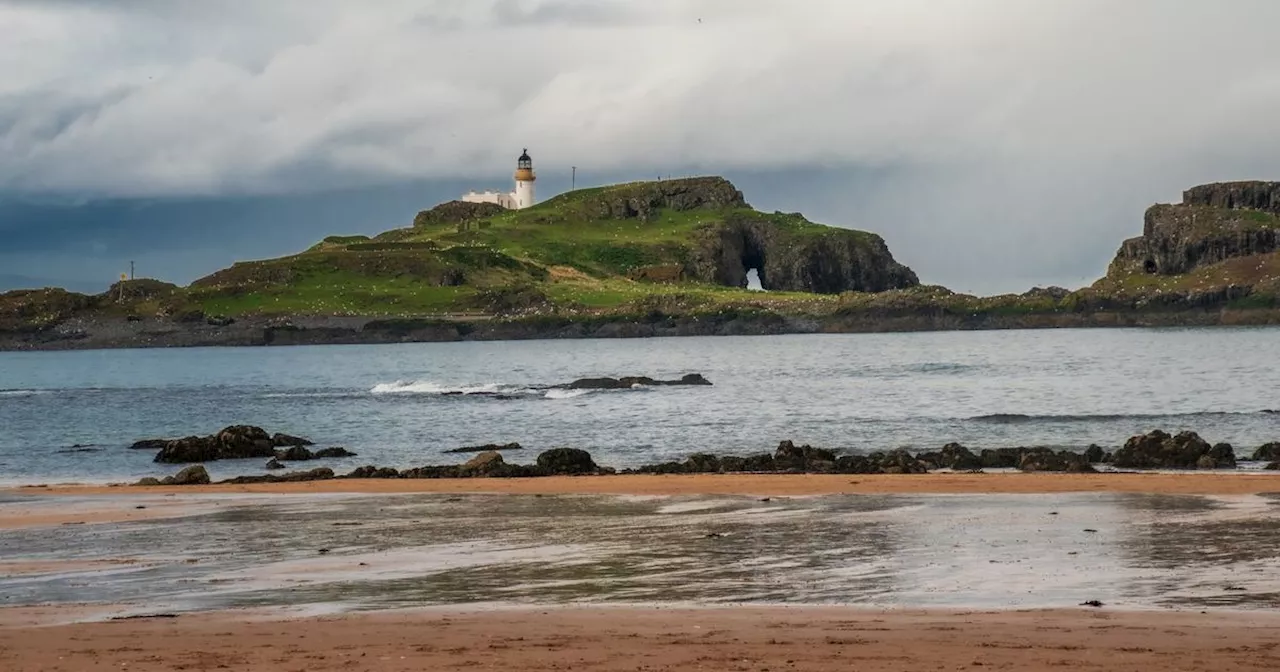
{"x":1005,"y":124}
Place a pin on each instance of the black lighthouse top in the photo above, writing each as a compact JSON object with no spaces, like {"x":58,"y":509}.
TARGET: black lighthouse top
{"x":524,"y":161}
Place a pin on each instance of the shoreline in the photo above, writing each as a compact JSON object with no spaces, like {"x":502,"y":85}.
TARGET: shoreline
{"x":1189,"y":483}
{"x":593,"y":639}
{"x":114,"y":333}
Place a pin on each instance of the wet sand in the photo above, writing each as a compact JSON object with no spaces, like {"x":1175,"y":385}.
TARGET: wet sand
{"x":1189,"y":483}
{"x":140,"y":505}
{"x":651,"y":639}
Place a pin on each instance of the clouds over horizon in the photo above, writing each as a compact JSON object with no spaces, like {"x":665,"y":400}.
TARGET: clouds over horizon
{"x":1002,"y":123}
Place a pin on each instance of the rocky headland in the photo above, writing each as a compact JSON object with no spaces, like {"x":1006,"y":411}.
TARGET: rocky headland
{"x":667,"y":258}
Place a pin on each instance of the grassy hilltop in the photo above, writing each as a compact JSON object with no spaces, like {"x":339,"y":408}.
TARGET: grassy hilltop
{"x":621,"y":248}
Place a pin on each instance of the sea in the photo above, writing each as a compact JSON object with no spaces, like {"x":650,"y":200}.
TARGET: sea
{"x":71,"y":416}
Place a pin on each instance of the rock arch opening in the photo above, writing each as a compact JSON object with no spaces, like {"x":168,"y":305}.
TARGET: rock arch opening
{"x":1149,"y":266}
{"x":753,"y":265}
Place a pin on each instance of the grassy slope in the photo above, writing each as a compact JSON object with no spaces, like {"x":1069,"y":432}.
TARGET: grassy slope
{"x":573,"y":262}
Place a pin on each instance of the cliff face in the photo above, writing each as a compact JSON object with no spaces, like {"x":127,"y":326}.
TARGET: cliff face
{"x":1264,"y":196}
{"x":789,"y":252}
{"x":1215,"y":223}
{"x":797,"y":259}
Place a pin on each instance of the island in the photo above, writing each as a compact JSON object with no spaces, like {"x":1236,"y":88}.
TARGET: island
{"x":658,"y":258}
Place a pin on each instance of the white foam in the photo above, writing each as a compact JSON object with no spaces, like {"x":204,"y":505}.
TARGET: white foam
{"x":428,"y":387}
{"x":567,"y":394}
{"x":23,"y":393}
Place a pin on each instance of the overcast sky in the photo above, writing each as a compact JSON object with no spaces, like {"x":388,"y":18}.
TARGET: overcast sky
{"x":995,"y":144}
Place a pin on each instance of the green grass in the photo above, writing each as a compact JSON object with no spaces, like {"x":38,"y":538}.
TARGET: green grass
{"x":339,"y":294}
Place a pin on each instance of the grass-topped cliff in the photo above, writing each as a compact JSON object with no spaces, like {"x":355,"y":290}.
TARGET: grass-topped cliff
{"x":588,"y":250}
{"x":655,"y":258}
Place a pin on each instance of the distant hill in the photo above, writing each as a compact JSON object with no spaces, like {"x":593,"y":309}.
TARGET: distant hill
{"x":657,"y":258}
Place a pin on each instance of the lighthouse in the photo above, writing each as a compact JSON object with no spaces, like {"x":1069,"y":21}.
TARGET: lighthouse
{"x":522,"y":197}
{"x":524,"y":180}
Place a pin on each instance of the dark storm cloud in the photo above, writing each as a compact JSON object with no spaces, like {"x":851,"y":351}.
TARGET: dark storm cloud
{"x":994,"y":143}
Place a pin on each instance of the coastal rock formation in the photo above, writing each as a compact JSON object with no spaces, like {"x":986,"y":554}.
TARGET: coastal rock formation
{"x":952,"y":456}
{"x":795,"y":259}
{"x":1253,"y":195}
{"x":237,"y":442}
{"x":1214,"y":223}
{"x":457,"y":212}
{"x":1046,"y":459}
{"x":193,"y":475}
{"x":1267,"y":452}
{"x":486,"y":448}
{"x":1186,"y":450}
{"x":628,"y":382}
{"x":567,"y":461}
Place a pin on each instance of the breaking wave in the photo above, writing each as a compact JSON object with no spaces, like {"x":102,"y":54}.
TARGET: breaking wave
{"x":23,"y":393}
{"x":428,"y":387}
{"x":558,"y":393}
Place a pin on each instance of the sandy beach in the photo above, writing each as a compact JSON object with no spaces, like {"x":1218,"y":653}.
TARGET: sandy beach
{"x":1188,"y":483}
{"x":653,"y":640}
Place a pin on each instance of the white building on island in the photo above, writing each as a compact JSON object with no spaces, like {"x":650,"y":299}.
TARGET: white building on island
{"x":522,"y":197}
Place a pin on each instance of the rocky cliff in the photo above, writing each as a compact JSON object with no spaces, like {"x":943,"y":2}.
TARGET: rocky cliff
{"x":1213,"y":224}
{"x":1264,"y":196}
{"x":789,"y":252}
{"x":795,"y":258}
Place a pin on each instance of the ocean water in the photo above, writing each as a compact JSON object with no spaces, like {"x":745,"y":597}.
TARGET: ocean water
{"x":69,"y":416}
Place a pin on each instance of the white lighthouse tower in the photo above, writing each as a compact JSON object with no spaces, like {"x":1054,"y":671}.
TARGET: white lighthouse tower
{"x":522,"y":197}
{"x":524,"y":181}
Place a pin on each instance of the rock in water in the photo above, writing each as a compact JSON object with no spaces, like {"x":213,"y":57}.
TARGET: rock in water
{"x":567,"y":461}
{"x":332,"y":453}
{"x":485,"y":448}
{"x":295,"y":454}
{"x":627,"y":382}
{"x":235,"y":442}
{"x":1159,"y":450}
{"x":1267,"y":452}
{"x":150,"y":444}
{"x":284,"y":440}
{"x":274,"y":464}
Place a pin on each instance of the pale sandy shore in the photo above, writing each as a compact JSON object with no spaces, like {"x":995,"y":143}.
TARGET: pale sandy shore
{"x":653,"y":640}
{"x":1189,"y":483}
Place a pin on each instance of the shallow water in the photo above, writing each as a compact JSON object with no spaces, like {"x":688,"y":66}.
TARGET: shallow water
{"x":1065,"y":388}
{"x":1134,"y":551}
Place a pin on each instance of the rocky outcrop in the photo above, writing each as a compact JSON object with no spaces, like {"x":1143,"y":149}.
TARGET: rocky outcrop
{"x":235,"y":443}
{"x":485,"y":448}
{"x":1254,"y":195}
{"x":1186,"y":450}
{"x":628,"y":382}
{"x":457,"y":212}
{"x":1046,"y":459}
{"x":1214,"y":223}
{"x":952,"y":456}
{"x":1267,"y":452}
{"x":567,"y":461}
{"x":643,"y":200}
{"x":795,"y":258}
{"x":193,"y":475}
